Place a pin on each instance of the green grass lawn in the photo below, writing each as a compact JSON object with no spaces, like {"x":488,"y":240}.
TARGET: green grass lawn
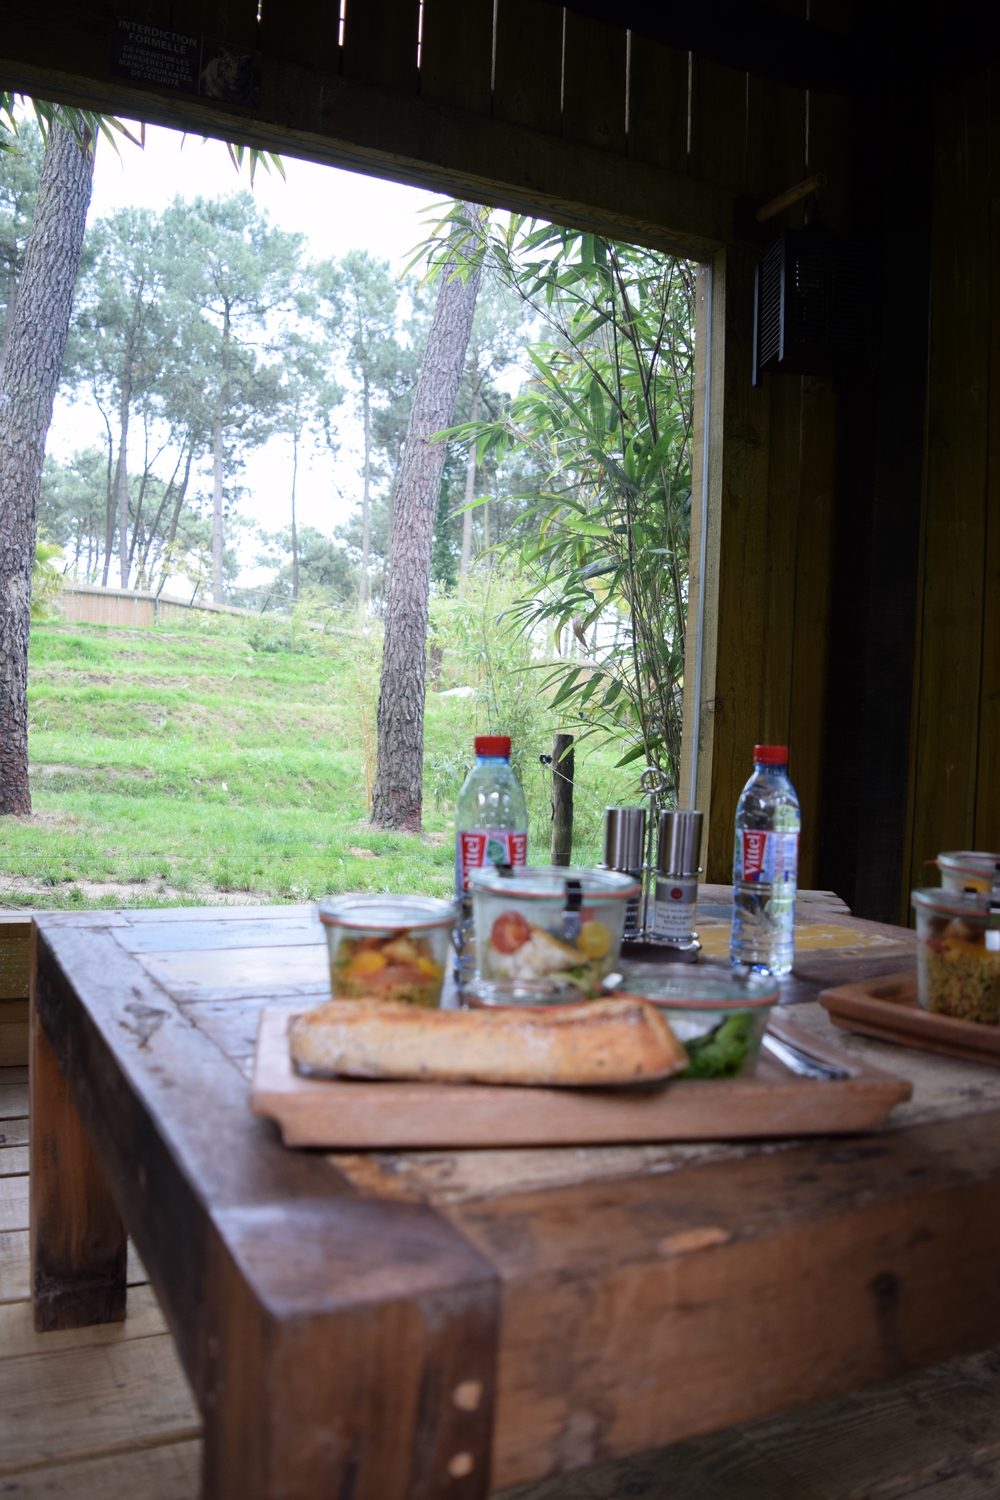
{"x":226,"y":762}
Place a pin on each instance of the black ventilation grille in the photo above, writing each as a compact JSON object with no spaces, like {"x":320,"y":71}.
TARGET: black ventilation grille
{"x":809,"y":314}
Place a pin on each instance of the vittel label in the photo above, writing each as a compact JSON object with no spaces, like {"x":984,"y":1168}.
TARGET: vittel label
{"x":673,"y":909}
{"x":488,"y":846}
{"x":770,"y":858}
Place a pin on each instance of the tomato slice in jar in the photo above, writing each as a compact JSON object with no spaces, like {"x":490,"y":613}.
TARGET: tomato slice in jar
{"x":510,"y":932}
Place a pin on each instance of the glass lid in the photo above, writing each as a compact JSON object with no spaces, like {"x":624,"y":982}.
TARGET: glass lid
{"x":971,"y":862}
{"x":550,"y":882}
{"x":982,"y":904}
{"x":697,"y":987}
{"x":386,"y":913}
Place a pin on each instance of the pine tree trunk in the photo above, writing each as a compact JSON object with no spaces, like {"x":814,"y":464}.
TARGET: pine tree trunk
{"x":470,"y":484}
{"x":151,"y":537}
{"x":217,"y":501}
{"x":295,"y":529}
{"x":109,"y":503}
{"x":35,"y":348}
{"x":397,"y":799}
{"x":219,"y":416}
{"x":122,"y":487}
{"x":11,"y":308}
{"x":366,"y":498}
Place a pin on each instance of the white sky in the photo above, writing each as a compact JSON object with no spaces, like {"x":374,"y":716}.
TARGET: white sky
{"x":337,"y":211}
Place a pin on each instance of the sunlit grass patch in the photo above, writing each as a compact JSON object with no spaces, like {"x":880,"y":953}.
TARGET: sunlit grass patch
{"x":202,"y":767}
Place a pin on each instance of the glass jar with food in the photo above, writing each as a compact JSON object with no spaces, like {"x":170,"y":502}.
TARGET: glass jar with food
{"x":958,"y":954}
{"x":388,"y":947}
{"x":967,"y":869}
{"x":558,"y":928}
{"x":719,"y":1017}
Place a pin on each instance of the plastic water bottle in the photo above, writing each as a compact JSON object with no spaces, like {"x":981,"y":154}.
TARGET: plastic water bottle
{"x":491,"y":827}
{"x":765,"y":865}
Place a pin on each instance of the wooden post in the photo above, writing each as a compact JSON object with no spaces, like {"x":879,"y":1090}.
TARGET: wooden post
{"x":562,"y":799}
{"x":78,"y":1243}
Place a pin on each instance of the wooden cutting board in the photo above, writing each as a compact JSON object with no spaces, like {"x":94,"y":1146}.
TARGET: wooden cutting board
{"x":887,"y":1008}
{"x":357,"y":1115}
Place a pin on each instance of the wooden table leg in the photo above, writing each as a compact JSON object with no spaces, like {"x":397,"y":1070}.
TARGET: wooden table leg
{"x":78,"y":1241}
{"x":329,"y":1374}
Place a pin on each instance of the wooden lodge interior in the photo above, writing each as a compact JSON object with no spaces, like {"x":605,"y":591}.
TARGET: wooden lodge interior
{"x":851,"y":597}
{"x":849,"y":600}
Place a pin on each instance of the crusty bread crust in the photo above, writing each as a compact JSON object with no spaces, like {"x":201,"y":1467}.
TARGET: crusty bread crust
{"x":597,"y":1042}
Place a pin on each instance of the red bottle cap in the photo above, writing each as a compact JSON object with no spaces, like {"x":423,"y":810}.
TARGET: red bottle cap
{"x":770,"y":755}
{"x":492,"y":744}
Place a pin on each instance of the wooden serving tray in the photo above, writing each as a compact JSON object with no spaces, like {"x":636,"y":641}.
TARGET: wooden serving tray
{"x":887,"y":1008}
{"x":351,"y":1114}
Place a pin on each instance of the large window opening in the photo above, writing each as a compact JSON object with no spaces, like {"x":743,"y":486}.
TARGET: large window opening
{"x":216,"y":513}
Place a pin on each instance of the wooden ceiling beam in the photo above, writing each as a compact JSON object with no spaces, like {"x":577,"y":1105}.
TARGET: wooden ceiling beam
{"x":63,"y":55}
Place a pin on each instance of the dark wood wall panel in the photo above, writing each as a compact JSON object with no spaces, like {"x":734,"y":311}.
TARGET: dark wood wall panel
{"x":380,"y":42}
{"x":301,"y":31}
{"x":741,"y":613}
{"x":811,"y":627}
{"x":156,"y":12}
{"x":777,"y":486}
{"x":827,"y":153}
{"x":456,"y":56}
{"x":594,"y":83}
{"x":658,"y":105}
{"x":776,"y":161}
{"x":776,"y":145}
{"x":778,"y":580}
{"x":528,"y":80}
{"x":957,"y":507}
{"x":718,"y":124}
{"x":988,"y":788}
{"x":826,"y":146}
{"x":232,"y":21}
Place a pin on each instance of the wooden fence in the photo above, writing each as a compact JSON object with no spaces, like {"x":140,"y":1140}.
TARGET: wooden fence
{"x":90,"y":604}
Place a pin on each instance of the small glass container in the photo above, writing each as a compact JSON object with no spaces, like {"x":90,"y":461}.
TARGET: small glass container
{"x":557,"y":925}
{"x":718,"y":1016}
{"x":388,"y":947}
{"x":966,"y":869}
{"x":958,"y":954}
{"x":507,"y":994}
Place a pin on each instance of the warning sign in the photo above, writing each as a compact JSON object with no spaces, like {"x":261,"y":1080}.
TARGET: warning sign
{"x":156,"y":54}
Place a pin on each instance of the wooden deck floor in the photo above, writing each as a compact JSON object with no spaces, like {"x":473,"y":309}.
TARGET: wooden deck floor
{"x":106,"y":1413}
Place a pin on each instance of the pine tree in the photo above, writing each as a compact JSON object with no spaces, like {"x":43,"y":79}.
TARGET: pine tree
{"x":36,"y":344}
{"x":397,"y":798}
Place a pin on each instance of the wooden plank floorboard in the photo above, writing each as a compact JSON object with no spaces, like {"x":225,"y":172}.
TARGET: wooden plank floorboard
{"x":14,"y":1099}
{"x":82,"y":1403}
{"x":170,"y":1472}
{"x":14,"y":1266}
{"x":14,"y":1132}
{"x":13,"y":1203}
{"x":18,"y":1336}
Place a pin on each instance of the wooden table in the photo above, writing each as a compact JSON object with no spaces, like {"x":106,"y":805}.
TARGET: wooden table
{"x":431,"y":1324}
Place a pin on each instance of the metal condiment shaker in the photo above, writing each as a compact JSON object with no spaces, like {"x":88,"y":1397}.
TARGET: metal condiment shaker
{"x":676,"y":891}
{"x":680,"y":842}
{"x":625,"y":850}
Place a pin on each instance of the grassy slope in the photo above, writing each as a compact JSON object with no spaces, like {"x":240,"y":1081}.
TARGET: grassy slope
{"x":191,"y":764}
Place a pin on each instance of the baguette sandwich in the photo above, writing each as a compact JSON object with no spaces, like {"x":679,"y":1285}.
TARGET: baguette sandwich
{"x":598,"y":1042}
